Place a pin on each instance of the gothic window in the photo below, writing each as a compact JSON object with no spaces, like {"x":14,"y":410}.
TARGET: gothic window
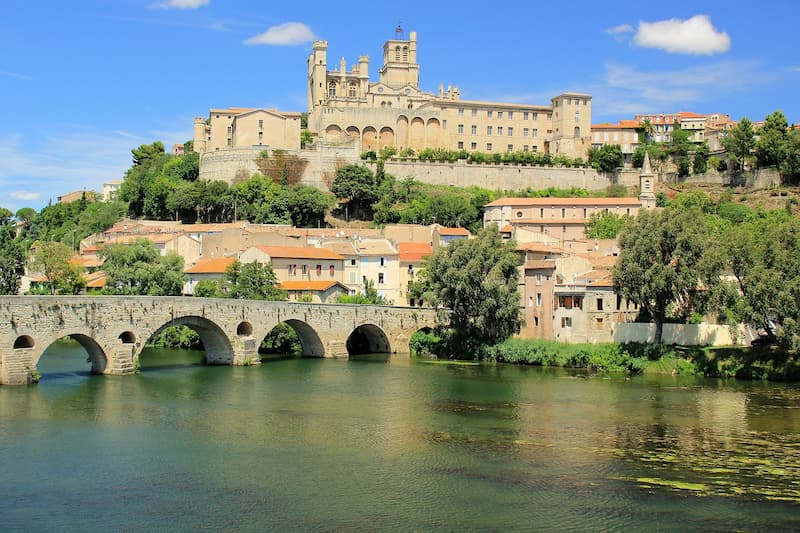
{"x":405,"y":53}
{"x":397,"y":54}
{"x":351,"y":90}
{"x":577,"y":132}
{"x":332,"y":88}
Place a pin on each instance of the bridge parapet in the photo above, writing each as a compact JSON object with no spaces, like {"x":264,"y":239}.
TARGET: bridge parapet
{"x":114,"y":329}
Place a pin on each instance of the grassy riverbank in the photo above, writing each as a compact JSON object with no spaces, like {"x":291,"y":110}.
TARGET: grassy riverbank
{"x":762,"y":362}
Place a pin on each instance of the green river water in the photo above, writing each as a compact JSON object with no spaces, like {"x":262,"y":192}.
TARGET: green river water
{"x":392,"y":444}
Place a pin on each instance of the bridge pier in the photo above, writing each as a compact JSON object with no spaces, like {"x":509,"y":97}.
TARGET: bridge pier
{"x":17,"y":369}
{"x":245,"y":351}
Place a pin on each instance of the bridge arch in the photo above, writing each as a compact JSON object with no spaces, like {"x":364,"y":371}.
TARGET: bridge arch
{"x":367,"y":338}
{"x":310,"y":341}
{"x":97,"y":355}
{"x":215,"y":341}
{"x":23,"y":341}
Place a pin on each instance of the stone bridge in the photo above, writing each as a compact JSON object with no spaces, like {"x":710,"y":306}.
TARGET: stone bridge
{"x":114,"y":329}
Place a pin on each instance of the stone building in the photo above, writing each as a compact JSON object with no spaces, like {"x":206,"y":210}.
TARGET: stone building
{"x":345,"y":106}
{"x":239,"y":127}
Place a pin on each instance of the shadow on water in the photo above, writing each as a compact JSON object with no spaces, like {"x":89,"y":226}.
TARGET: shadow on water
{"x":371,"y":358}
{"x":64,"y":359}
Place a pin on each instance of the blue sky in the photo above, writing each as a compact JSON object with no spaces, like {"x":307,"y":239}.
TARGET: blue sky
{"x":83,"y":82}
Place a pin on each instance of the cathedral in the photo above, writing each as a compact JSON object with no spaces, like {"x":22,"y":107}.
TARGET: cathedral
{"x":346,"y":109}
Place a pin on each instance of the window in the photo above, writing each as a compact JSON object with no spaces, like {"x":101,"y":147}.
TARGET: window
{"x":473,"y":146}
{"x":541,"y":212}
{"x":260,"y":136}
{"x":488,"y":147}
{"x":538,"y":298}
{"x":510,"y":115}
{"x":292,"y":270}
{"x":260,"y":124}
{"x":488,"y":130}
{"x":474,"y":129}
{"x":382,"y":261}
{"x":510,"y":148}
{"x":525,"y":132}
{"x":566,"y":321}
{"x":598,"y":323}
{"x":499,"y":114}
{"x":599,"y":304}
{"x":332,"y":89}
{"x":535,"y":116}
{"x":570,"y":301}
{"x":474,"y":112}
{"x":305,"y":269}
{"x":460,"y":145}
{"x":525,"y":116}
{"x":563,"y":212}
{"x":332,"y":270}
{"x":577,"y":115}
{"x":460,"y":112}
{"x":519,"y":214}
{"x":319,"y":270}
{"x":534,"y":132}
{"x":584,"y":212}
{"x":538,"y":278}
{"x":536,"y":321}
{"x":489,"y":113}
{"x":460,"y":128}
{"x":510,"y":131}
{"x":524,"y":147}
{"x":444,"y":122}
{"x":500,"y":130}
{"x":530,"y":301}
{"x":352,"y":262}
{"x":351,"y":90}
{"x":380,"y":278}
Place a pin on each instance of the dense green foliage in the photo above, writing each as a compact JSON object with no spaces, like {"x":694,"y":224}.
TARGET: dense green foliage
{"x":282,"y":340}
{"x":52,"y":260}
{"x":181,"y":337}
{"x":248,"y":281}
{"x":610,"y":357}
{"x":605,"y":225}
{"x":476,"y":280}
{"x":369,"y":296}
{"x":607,"y":158}
{"x":139,"y":269}
{"x":12,"y":255}
{"x":665,"y":260}
{"x":739,"y":142}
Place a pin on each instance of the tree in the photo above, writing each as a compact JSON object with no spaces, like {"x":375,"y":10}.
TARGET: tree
{"x":12,"y":257}
{"x":138,"y":268}
{"x":605,"y":225}
{"x":253,"y":281}
{"x":739,"y":142}
{"x":358,"y":185}
{"x":764,"y":256}
{"x":369,"y":296}
{"x":477,"y":281}
{"x":772,"y":141}
{"x":700,"y":161}
{"x":662,"y":262}
{"x":54,"y":261}
{"x":606,"y":158}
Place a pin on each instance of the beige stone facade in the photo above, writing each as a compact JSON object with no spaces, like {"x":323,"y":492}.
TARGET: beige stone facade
{"x":239,"y":127}
{"x":346,"y":107}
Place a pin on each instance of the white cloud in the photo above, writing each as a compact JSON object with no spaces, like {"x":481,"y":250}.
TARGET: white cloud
{"x":286,"y":34}
{"x":692,"y":36}
{"x":16,"y":75}
{"x":622,"y":28}
{"x":181,"y":4}
{"x":25,"y":195}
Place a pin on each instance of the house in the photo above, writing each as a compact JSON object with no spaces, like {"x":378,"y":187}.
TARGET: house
{"x":442,"y":236}
{"x":411,"y":255}
{"x":205,"y":269}
{"x":294,"y":263}
{"x":325,"y":291}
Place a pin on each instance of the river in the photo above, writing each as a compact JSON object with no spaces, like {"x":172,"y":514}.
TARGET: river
{"x":385,"y":444}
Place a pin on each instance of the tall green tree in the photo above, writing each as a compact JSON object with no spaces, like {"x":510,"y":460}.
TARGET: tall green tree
{"x":138,"y":268}
{"x":478,"y":282}
{"x":606,"y":158}
{"x":253,"y":281}
{"x":53,"y":261}
{"x":662,"y":262}
{"x":740,"y":142}
{"x":358,"y":185}
{"x":771,"y":146}
{"x":12,"y":256}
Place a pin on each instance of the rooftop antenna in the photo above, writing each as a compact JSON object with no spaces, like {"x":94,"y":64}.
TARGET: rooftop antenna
{"x":398,"y":31}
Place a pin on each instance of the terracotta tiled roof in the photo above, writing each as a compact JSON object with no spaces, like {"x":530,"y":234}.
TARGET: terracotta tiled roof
{"x":539,"y":247}
{"x":689,"y":114}
{"x":453,"y":231}
{"x":545,"y":202}
{"x":96,"y":280}
{"x":622,"y":124}
{"x":414,"y":251}
{"x":86,"y":262}
{"x":299,"y":252}
{"x":538,"y":264}
{"x":306,"y":285}
{"x":375,"y":247}
{"x":214,"y":265}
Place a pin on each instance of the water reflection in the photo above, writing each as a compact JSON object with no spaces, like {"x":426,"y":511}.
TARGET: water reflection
{"x":394,"y":443}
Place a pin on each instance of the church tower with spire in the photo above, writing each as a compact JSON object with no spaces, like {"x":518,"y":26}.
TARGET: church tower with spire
{"x":647,"y":182}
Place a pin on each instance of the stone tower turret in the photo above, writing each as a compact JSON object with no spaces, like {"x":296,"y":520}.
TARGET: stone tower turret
{"x":317,"y":69}
{"x":400,"y":66}
{"x":647,"y":196}
{"x":199,"y":137}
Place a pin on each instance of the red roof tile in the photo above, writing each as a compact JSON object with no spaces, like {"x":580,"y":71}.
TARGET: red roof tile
{"x":414,"y":251}
{"x":214,"y":265}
